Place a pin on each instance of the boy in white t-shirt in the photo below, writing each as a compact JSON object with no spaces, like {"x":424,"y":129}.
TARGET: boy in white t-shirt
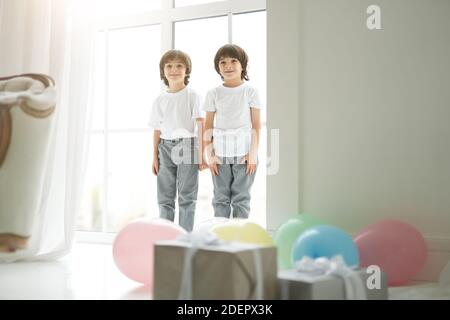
{"x":232,"y":155}
{"x":178,"y":124}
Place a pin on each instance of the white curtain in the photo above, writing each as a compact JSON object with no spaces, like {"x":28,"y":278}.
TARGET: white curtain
{"x":54,"y":37}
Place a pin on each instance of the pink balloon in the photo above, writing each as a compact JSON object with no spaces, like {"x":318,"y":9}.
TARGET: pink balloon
{"x":396,"y":247}
{"x":133,"y":249}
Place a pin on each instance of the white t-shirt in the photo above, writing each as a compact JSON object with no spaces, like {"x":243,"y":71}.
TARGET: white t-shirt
{"x":174,"y":114}
{"x":232,"y":130}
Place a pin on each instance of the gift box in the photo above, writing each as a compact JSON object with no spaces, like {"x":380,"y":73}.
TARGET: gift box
{"x":227,"y":271}
{"x":295,"y":285}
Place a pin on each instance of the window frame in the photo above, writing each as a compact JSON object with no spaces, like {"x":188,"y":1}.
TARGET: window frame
{"x":166,"y":17}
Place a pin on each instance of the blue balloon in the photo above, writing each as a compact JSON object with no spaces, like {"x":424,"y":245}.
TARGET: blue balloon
{"x":326,"y":241}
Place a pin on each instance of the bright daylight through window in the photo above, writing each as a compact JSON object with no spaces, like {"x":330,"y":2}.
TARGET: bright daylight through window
{"x":120,"y":185}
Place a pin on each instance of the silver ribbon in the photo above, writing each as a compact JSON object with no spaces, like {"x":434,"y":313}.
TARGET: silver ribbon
{"x":200,"y":239}
{"x":354,"y":286}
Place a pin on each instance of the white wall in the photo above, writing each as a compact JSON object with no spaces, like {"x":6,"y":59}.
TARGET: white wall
{"x":283,"y":88}
{"x":372,"y":108}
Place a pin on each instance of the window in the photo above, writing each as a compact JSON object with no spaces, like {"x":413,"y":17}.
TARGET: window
{"x":120,"y":7}
{"x":184,"y":3}
{"x":119,"y":173}
{"x":202,"y":49}
{"x":119,"y":184}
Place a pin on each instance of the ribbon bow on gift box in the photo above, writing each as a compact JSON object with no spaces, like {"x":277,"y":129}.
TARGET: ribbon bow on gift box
{"x":199,"y":239}
{"x":354,"y":286}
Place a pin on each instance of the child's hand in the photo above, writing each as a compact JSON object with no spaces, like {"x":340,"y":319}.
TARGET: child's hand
{"x":213,"y":165}
{"x":155,"y":166}
{"x":251,"y":164}
{"x":203,"y":164}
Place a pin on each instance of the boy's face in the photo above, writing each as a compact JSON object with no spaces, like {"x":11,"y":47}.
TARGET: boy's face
{"x":230,"y":68}
{"x":175,"y":72}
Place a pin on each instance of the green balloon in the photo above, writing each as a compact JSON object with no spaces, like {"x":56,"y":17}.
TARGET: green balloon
{"x":288,"y":233}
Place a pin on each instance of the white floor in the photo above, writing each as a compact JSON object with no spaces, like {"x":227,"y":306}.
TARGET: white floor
{"x":89,"y":273}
